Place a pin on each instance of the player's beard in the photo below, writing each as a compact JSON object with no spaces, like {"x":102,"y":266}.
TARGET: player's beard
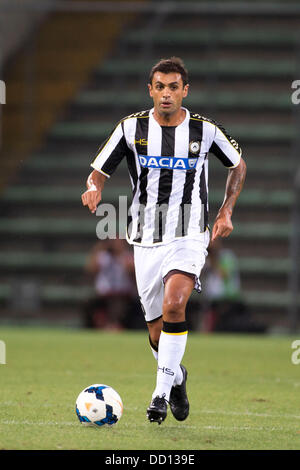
{"x":167,"y":113}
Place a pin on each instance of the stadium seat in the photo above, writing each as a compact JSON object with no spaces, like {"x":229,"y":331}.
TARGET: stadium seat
{"x":41,"y":195}
{"x":97,"y":131}
{"x":226,"y":99}
{"x":242,"y":79}
{"x":230,"y":37}
{"x":228,"y":68}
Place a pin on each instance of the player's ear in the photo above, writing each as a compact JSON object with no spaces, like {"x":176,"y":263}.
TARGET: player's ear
{"x":185,"y":90}
{"x":150,"y":89}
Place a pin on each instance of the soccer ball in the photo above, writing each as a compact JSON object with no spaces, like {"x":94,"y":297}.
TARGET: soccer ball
{"x":98,"y":405}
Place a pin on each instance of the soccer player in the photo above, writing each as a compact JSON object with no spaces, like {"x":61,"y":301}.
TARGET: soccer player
{"x":167,"y":149}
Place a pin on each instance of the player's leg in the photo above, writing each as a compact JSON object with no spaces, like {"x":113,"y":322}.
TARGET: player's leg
{"x":155,"y":327}
{"x":173,"y":336}
{"x":182,"y":263}
{"x":156,"y":297}
{"x":151,"y":291}
{"x":171,"y":348}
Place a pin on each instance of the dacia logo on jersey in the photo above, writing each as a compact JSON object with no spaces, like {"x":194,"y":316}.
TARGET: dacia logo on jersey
{"x":171,"y":163}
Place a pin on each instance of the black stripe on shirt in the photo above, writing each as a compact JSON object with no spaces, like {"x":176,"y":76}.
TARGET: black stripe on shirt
{"x":195,"y":135}
{"x":116,"y":155}
{"x":141,"y":144}
{"x":218,"y":152}
{"x":204,"y":200}
{"x":134,"y":176}
{"x":164,"y":184}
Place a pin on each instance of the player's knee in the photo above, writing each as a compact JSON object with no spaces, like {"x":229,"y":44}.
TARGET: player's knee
{"x":174,"y":310}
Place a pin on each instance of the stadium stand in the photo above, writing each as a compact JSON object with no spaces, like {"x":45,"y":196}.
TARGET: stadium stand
{"x":44,"y":73}
{"x":240,"y":77}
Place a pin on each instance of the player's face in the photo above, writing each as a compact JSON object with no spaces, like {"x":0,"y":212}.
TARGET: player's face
{"x":167,"y":92}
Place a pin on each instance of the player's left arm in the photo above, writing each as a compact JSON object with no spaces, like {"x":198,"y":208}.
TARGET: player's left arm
{"x":235,"y":181}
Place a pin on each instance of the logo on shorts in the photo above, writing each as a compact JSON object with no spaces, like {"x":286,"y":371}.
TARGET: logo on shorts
{"x":194,"y":147}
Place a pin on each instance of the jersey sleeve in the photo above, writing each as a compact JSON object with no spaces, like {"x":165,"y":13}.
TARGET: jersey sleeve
{"x":225,"y":148}
{"x":111,"y":152}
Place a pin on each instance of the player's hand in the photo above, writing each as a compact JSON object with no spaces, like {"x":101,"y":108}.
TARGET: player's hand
{"x":91,"y":198}
{"x":222,"y":226}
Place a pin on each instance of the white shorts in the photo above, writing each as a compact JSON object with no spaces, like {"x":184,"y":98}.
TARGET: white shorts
{"x":152,"y":264}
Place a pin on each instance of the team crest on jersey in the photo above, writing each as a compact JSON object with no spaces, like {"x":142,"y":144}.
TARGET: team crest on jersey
{"x":194,"y":147}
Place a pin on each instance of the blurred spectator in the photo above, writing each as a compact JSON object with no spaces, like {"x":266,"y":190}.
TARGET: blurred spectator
{"x":222,"y":276}
{"x":225,"y":309}
{"x":115,"y":304}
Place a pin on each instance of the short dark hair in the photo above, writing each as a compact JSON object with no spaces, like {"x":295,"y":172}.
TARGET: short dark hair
{"x":174,"y":64}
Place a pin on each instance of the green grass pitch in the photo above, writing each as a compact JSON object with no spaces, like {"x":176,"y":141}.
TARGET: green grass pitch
{"x":243,"y":391}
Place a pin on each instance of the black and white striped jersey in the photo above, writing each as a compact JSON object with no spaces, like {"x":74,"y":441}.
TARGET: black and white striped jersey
{"x":168,"y":168}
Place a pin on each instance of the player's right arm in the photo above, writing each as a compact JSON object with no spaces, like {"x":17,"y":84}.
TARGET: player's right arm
{"x":92,"y":196}
{"x":110,"y":154}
